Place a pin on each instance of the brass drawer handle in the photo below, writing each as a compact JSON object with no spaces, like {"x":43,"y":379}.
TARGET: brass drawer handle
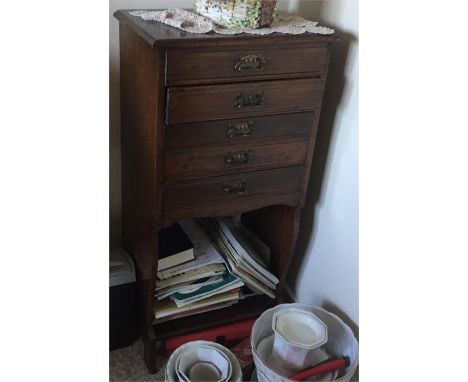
{"x":241,"y":129}
{"x":249,"y":99}
{"x":235,"y":159}
{"x":237,"y":187}
{"x":250,"y":62}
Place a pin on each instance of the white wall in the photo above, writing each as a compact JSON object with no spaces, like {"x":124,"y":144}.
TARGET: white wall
{"x":329,"y":273}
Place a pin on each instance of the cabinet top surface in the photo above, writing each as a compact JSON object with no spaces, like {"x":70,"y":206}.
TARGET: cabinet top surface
{"x":159,"y":34}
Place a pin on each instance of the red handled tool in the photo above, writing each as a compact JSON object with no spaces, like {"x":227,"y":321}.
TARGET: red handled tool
{"x":327,"y":366}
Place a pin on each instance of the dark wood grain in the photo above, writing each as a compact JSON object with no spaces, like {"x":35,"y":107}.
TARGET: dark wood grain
{"x":198,"y":163}
{"x":138,"y":154}
{"x":189,"y":67}
{"x":210,"y":190}
{"x":230,"y":207}
{"x":205,"y":103}
{"x":140,"y":139}
{"x":180,"y":123}
{"x":312,"y":140}
{"x":263,"y":129}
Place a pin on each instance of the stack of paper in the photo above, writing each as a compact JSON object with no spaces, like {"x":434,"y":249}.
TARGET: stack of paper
{"x":241,"y":259}
{"x":201,"y":284}
{"x":228,"y":259}
{"x":183,"y":282}
{"x":168,"y":308}
{"x":227,"y":283}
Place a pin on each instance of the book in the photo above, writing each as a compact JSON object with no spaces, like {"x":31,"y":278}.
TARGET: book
{"x":191,"y":276}
{"x":175,"y":247}
{"x":188,"y":287}
{"x":228,"y":282}
{"x":251,"y":272}
{"x":254,"y":284}
{"x":256,"y":243}
{"x":193,"y":312}
{"x":168,"y":307}
{"x":204,"y":252}
{"x":245,"y":250}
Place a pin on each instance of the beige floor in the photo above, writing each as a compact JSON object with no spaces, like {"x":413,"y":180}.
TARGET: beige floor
{"x":127,"y":364}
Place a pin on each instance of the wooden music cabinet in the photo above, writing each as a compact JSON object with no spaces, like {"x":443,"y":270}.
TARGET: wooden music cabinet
{"x":215,"y":125}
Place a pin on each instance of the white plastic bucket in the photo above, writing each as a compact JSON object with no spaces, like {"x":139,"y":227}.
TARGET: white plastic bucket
{"x":170,"y":372}
{"x":341,"y":341}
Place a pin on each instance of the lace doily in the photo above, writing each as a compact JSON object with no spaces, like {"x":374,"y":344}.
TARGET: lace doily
{"x":194,"y":23}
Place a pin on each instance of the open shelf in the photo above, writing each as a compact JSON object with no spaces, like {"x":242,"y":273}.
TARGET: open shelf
{"x":248,"y":308}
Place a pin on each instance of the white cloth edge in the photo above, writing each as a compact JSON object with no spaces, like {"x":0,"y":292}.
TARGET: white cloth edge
{"x":194,"y":23}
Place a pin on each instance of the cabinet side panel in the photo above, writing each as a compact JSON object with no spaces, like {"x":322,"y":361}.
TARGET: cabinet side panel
{"x":312,"y":137}
{"x":139,"y":97}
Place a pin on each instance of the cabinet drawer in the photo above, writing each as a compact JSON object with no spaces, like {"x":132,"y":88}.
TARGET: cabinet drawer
{"x":204,"y":103}
{"x":232,"y":158}
{"x":238,"y":130}
{"x":186,"y":67}
{"x":233,"y":187}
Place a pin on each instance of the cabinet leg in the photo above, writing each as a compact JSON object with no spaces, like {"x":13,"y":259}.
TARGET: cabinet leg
{"x":150,"y":352}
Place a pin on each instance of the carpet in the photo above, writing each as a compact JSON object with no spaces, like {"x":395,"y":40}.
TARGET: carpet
{"x":127,"y":364}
